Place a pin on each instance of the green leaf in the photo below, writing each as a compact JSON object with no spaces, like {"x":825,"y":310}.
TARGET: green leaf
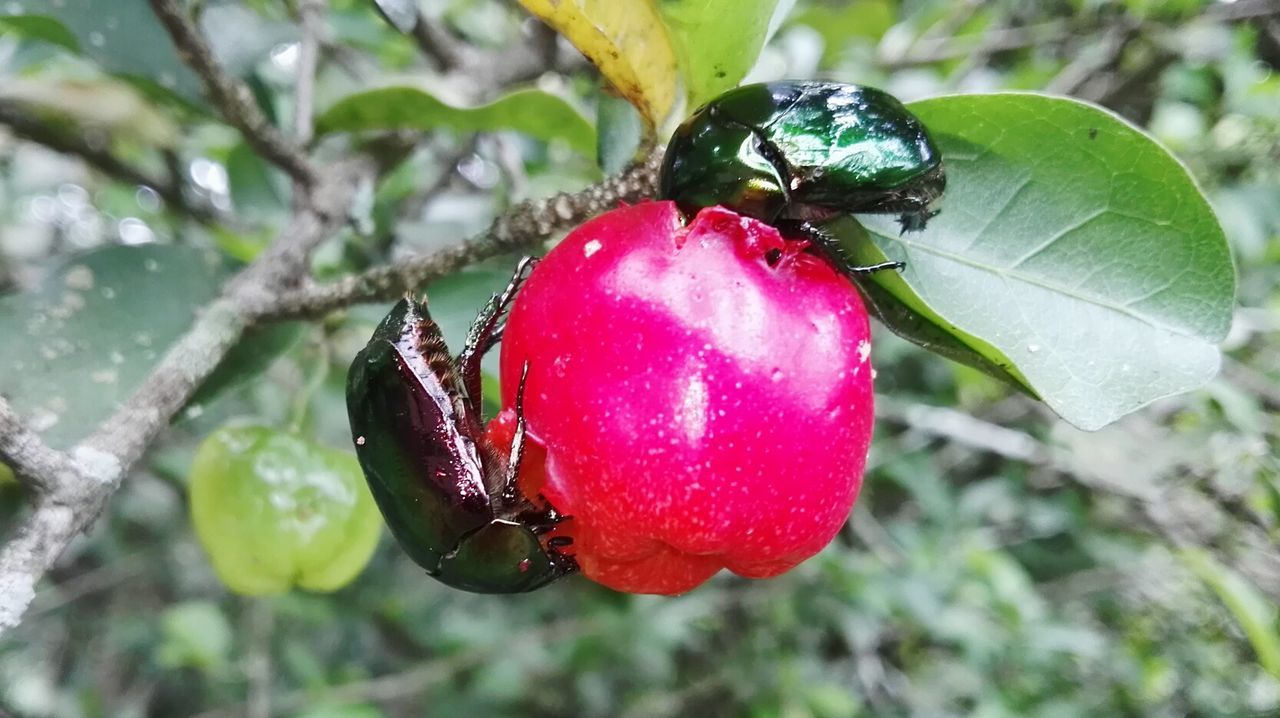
{"x":1253,"y":613}
{"x":40,"y":27}
{"x":249,"y":358}
{"x":910,"y":318}
{"x":620,"y":131}
{"x":340,"y":711}
{"x":867,"y":20}
{"x":534,"y":112}
{"x":83,"y":341}
{"x":256,"y":191}
{"x":80,"y":343}
{"x":1072,"y":251}
{"x":125,"y":38}
{"x":716,"y":41}
{"x":196,"y":635}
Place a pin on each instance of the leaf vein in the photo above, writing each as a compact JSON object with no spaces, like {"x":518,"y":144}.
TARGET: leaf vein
{"x":1026,"y":180}
{"x":1044,"y":284}
{"x":1056,"y":236}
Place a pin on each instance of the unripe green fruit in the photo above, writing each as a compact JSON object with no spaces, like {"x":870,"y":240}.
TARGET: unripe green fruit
{"x":274,"y":511}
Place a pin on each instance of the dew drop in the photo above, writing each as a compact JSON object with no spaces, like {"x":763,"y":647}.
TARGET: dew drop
{"x":1033,"y":348}
{"x":97,"y":39}
{"x":359,"y":441}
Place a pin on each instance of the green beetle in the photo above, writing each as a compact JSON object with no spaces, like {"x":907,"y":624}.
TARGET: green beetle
{"x":797,"y":152}
{"x":450,"y":498}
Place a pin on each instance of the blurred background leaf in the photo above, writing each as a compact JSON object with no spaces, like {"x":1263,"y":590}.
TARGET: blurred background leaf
{"x":533,"y":112}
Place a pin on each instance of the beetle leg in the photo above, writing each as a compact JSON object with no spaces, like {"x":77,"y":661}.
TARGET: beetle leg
{"x":829,"y":246}
{"x":484,"y":334}
{"x":915,"y":221}
{"x":510,"y":489}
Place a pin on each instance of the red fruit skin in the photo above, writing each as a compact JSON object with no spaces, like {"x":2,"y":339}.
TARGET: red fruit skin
{"x":703,"y":396}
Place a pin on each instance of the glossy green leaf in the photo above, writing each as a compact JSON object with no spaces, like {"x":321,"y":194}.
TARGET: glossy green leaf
{"x":1071,"y":248}
{"x":890,"y":300}
{"x":717,"y":41}
{"x":1255,"y":615}
{"x":534,"y":112}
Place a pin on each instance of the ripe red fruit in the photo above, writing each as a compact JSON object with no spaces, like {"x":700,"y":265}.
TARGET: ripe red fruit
{"x":698,"y":397}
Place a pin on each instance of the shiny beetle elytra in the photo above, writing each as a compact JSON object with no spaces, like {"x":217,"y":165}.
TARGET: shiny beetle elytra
{"x":799,"y":152}
{"x":450,"y":497}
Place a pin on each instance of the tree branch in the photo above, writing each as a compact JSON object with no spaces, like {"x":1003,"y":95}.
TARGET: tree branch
{"x":31,"y":129}
{"x":311,"y":15}
{"x":484,"y":70}
{"x":232,"y":98}
{"x":33,"y":463}
{"x":164,"y":392}
{"x":520,"y":229}
{"x":939,"y":47}
{"x":74,"y":487}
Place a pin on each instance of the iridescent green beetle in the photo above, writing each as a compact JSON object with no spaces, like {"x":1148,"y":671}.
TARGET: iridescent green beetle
{"x":450,"y":498}
{"x":798,"y":152}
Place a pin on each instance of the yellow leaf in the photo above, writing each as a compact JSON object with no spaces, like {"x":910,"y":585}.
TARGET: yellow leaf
{"x":626,"y":40}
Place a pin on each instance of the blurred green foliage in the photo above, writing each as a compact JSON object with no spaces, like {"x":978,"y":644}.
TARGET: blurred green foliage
{"x":999,"y":563}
